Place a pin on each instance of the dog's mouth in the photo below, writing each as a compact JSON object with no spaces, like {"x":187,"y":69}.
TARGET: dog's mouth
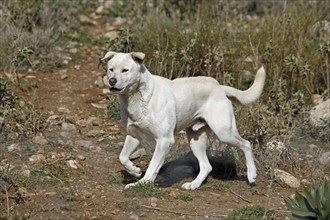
{"x":116,"y":90}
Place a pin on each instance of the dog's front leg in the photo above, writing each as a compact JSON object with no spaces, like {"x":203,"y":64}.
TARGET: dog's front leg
{"x":129,"y":146}
{"x":163,"y":146}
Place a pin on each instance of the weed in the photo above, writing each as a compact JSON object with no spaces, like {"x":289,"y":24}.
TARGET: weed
{"x":215,"y":184}
{"x":184,"y":197}
{"x":68,"y":195}
{"x":116,"y":179}
{"x":147,"y":189}
{"x":130,"y":206}
{"x":250,"y":212}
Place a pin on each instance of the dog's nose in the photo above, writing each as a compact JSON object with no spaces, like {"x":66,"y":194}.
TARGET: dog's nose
{"x":112,"y":81}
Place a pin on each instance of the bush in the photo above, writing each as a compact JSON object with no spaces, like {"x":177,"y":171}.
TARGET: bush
{"x":30,"y":31}
{"x":211,"y":40}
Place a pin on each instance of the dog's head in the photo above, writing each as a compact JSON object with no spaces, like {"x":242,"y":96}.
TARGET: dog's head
{"x":123,"y":71}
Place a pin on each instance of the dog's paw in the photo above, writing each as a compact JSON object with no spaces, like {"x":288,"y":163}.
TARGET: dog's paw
{"x":136,"y":172}
{"x":190,"y":186}
{"x":131,"y":185}
{"x":252,"y":176}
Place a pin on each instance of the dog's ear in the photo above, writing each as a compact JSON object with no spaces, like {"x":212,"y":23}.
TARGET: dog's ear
{"x":138,"y":56}
{"x":108,"y":55}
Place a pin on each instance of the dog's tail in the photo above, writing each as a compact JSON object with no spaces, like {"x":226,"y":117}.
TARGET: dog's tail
{"x":250,"y":95}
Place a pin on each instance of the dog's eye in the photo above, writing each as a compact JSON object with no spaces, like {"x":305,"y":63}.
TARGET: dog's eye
{"x":111,"y":69}
{"x":124,"y":70}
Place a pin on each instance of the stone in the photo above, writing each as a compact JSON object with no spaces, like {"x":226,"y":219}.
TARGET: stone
{"x":81,"y":157}
{"x":86,"y":20}
{"x":94,"y":121}
{"x":95,"y":133}
{"x":99,"y":82}
{"x":325,"y":159}
{"x":138,"y":154}
{"x":316,"y":99}
{"x":73,"y":50}
{"x":13,"y":147}
{"x":37,"y":158}
{"x":276,"y":146}
{"x":26,"y":173}
{"x":320,"y":120}
{"x":84,"y":143}
{"x":111,"y":35}
{"x":68,"y":127}
{"x":73,"y":164}
{"x":39,"y":139}
{"x":63,"y":110}
{"x":286,"y":178}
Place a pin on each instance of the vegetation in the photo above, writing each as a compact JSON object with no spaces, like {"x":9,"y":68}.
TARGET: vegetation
{"x":314,"y":204}
{"x":250,"y":212}
{"x":147,"y":189}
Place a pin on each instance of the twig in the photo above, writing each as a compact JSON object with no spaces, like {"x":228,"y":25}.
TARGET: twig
{"x":182,"y":213}
{"x":241,"y":197}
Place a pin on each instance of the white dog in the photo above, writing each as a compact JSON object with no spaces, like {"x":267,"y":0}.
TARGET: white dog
{"x":154,"y":108}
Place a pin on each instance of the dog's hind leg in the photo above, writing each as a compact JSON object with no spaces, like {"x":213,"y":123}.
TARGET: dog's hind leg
{"x":225,"y":129}
{"x":198,"y":144}
{"x":130,"y":145}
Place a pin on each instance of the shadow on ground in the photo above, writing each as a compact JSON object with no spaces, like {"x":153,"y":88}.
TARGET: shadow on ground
{"x":185,"y":167}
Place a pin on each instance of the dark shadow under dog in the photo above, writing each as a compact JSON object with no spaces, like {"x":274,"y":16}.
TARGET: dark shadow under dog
{"x":185,"y":167}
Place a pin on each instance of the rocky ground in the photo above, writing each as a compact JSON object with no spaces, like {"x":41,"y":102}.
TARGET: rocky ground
{"x":70,"y":170}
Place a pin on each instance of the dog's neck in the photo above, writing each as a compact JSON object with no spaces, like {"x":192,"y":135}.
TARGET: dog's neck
{"x":136,"y":101}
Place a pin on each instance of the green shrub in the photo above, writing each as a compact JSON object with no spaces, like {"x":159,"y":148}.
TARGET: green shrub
{"x":147,"y":189}
{"x":249,"y":212}
{"x":314,"y":204}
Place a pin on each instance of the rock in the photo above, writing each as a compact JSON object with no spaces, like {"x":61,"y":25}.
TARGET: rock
{"x":106,"y":91}
{"x":138,"y":154}
{"x":63,"y":110}
{"x":64,"y":76}
{"x":37,"y":158}
{"x":119,"y":21}
{"x":26,"y":173}
{"x":94,"y":121}
{"x":85,"y":194}
{"x":81,"y":157}
{"x":50,"y":194}
{"x":39,"y":139}
{"x":277,"y":147}
{"x":305,"y":182}
{"x":86,"y":20}
{"x":320,"y":120}
{"x":99,"y":10}
{"x":286,"y":178}
{"x":99,"y":82}
{"x":73,"y":164}
{"x":316,"y":99}
{"x":68,"y":126}
{"x":100,"y":106}
{"x":134,"y":217}
{"x":77,"y":67}
{"x":65,"y":62}
{"x":82,"y":123}
{"x":95,"y":133}
{"x":325,"y":159}
{"x":111,"y":35}
{"x":73,"y":50}
{"x":83,"y":143}
{"x":13,"y":147}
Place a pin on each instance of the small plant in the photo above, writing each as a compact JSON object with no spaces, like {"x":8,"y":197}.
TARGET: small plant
{"x":250,"y":212}
{"x":184,"y":197}
{"x":129,"y":206}
{"x":147,"y":189}
{"x":116,"y":179}
{"x":314,"y":204}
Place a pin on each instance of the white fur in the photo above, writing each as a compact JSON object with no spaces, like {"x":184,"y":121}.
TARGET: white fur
{"x":154,"y":108}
